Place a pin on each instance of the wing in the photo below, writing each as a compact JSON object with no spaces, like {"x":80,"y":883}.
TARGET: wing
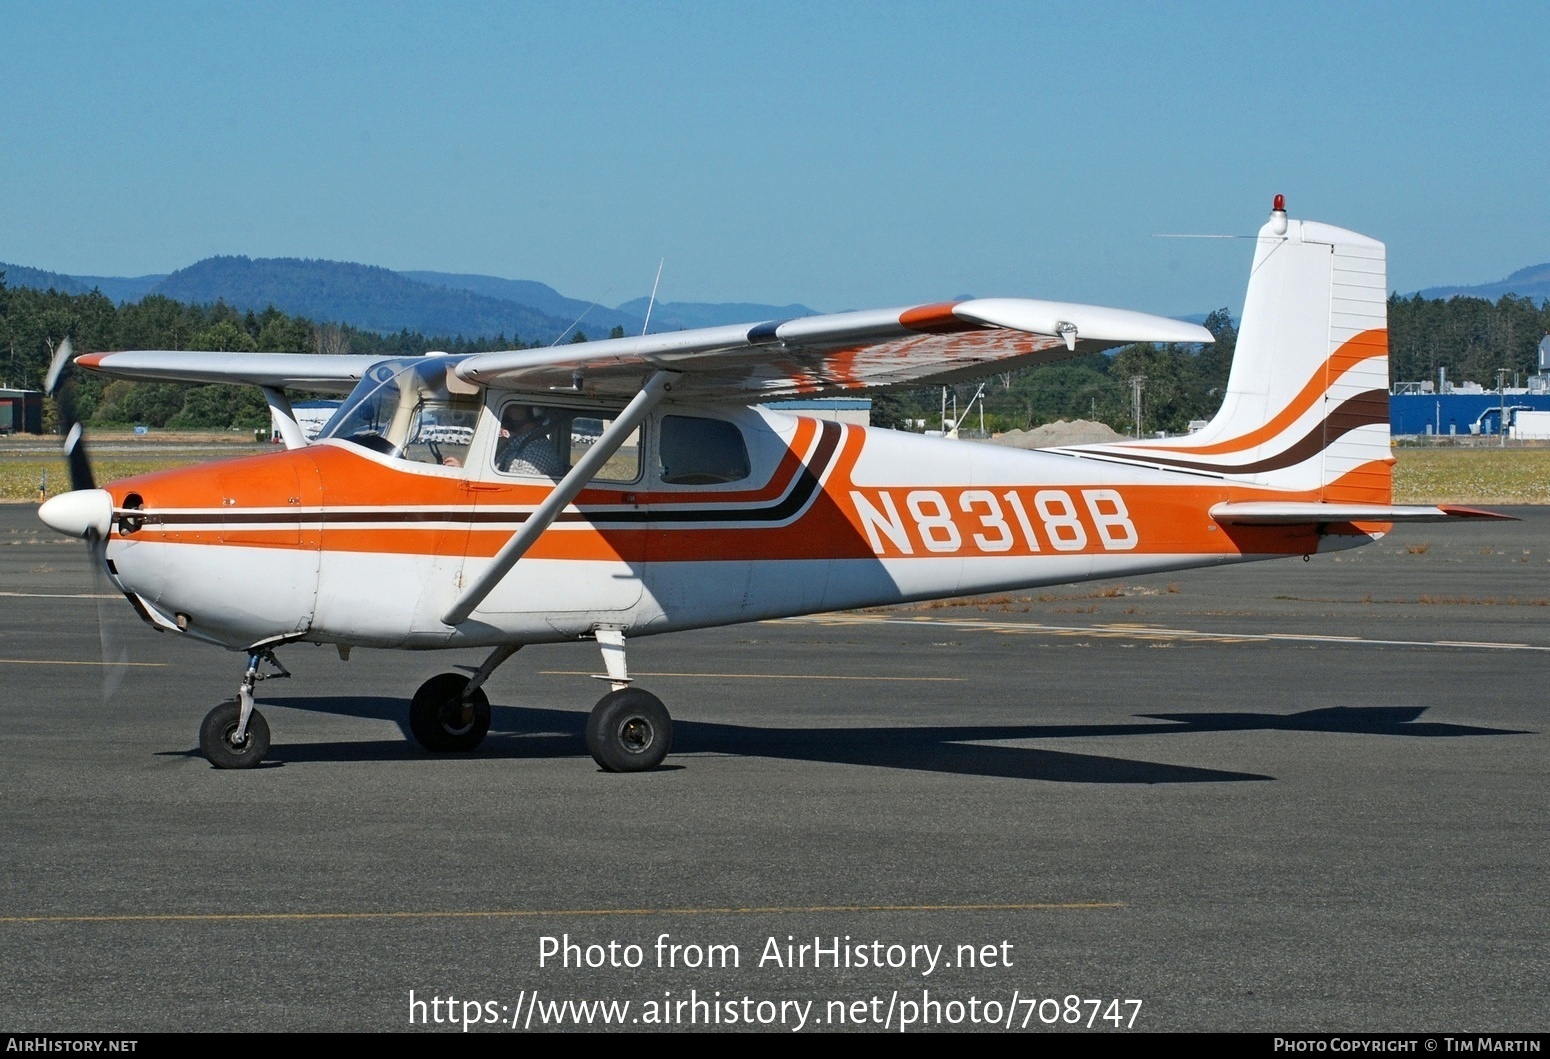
{"x":330,"y":373}
{"x":836,"y":353}
{"x":812,"y":355}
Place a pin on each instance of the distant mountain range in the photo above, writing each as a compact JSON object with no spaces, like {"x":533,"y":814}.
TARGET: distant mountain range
{"x":378,"y":299}
{"x":119,"y":288}
{"x":1532,"y":282}
{"x":446,"y":304}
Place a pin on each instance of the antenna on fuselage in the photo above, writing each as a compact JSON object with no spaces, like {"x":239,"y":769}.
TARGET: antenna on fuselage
{"x":651,"y":304}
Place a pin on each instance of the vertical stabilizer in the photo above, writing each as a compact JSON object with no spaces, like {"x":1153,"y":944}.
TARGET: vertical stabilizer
{"x":1306,"y":407}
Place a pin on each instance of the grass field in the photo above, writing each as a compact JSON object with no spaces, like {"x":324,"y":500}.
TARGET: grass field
{"x":20,"y":477}
{"x":26,"y":461}
{"x":1421,"y":476}
{"x":1472,"y":476}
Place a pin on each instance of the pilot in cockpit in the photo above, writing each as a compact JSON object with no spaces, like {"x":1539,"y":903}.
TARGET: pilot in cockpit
{"x":527,"y":442}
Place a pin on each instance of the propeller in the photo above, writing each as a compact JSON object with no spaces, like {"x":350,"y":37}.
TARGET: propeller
{"x":75,"y":442}
{"x":85,"y":512}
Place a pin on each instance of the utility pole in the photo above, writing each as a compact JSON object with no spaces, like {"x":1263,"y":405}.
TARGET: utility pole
{"x":1137,"y":384}
{"x":1501,"y":390}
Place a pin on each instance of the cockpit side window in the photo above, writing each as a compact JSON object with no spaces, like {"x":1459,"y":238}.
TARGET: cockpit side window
{"x":546,"y":441}
{"x":696,"y":451}
{"x":410,"y":409}
{"x":441,"y":430}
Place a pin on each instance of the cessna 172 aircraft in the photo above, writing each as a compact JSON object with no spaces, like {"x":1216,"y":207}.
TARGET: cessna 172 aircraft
{"x":629,"y":487}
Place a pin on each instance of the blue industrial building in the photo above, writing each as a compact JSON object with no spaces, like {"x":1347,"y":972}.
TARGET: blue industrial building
{"x":1459,"y":413}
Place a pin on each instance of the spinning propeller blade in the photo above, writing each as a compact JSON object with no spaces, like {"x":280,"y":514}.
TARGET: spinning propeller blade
{"x":115,"y":655}
{"x":75,"y":442}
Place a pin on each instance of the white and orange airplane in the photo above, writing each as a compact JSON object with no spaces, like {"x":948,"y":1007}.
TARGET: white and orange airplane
{"x":625,"y":488}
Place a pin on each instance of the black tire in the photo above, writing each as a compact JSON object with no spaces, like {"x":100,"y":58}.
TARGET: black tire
{"x":442,"y":722}
{"x":629,"y":731}
{"x":217,"y":743}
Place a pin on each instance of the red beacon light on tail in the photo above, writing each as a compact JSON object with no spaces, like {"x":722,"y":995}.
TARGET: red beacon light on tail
{"x":1278,"y":215}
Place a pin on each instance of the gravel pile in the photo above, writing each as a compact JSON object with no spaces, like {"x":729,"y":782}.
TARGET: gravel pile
{"x":1060,"y":432}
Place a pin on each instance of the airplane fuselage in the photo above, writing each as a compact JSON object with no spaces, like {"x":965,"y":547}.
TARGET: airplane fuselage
{"x":336,"y":543}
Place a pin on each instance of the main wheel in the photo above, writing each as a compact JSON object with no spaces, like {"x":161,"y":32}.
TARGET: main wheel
{"x":218,"y":737}
{"x":442,"y":722}
{"x":629,"y":731}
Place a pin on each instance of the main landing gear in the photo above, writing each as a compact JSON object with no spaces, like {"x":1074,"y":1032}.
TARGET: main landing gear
{"x":629,"y":729}
{"x":234,"y":735}
{"x":451,"y":713}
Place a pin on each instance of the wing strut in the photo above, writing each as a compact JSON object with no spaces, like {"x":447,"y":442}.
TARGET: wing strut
{"x":573,"y":483}
{"x":284,"y":418}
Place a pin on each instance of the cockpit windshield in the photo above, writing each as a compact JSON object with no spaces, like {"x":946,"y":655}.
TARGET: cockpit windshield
{"x":414,"y":409}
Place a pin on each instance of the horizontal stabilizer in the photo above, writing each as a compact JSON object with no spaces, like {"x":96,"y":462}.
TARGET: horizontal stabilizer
{"x":1277,"y":513}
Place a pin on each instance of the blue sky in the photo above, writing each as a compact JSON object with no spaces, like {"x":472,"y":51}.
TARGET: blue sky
{"x":844,"y":155}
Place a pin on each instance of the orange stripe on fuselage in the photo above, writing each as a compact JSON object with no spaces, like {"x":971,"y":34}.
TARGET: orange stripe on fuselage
{"x":825,"y":529}
{"x":1362,"y":347}
{"x":352,"y":479}
{"x":246,"y":501}
{"x":1165,"y":518}
{"x":978,"y":521}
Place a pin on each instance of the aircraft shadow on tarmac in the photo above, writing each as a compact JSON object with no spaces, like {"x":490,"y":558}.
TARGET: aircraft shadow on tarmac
{"x":535,"y":733}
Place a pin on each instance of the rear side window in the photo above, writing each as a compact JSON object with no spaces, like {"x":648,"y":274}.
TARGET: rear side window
{"x":696,"y":451}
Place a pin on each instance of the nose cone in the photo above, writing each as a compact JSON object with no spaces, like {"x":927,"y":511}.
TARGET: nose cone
{"x":85,"y":511}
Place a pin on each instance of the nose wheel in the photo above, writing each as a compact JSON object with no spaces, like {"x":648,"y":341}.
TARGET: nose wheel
{"x":234,"y":735}
{"x":226,"y":744}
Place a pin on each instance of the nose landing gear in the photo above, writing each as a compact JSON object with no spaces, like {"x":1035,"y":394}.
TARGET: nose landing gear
{"x":227,"y":744}
{"x":234,"y":735}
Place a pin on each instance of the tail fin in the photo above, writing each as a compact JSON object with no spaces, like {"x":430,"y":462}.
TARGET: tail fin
{"x":1307,"y":398}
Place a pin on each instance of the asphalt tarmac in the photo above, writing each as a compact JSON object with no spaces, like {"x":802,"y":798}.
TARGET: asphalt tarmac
{"x":1287,"y":796}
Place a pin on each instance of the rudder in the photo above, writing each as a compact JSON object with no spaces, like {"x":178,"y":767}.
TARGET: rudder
{"x":1306,"y":407}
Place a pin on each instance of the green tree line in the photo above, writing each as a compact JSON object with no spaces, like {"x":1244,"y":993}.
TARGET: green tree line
{"x":1471,"y":337}
{"x":32,"y":323}
{"x":1180,"y":383}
